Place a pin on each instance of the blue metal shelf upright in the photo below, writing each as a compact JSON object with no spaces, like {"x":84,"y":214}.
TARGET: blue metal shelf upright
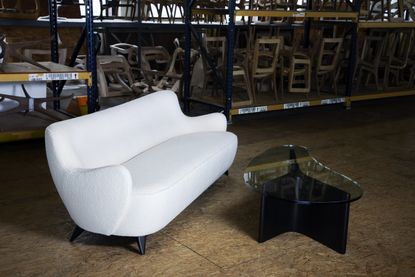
{"x":190,"y":32}
{"x":88,"y":34}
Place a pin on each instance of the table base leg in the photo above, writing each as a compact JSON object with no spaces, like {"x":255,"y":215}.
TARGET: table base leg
{"x":325,"y":223}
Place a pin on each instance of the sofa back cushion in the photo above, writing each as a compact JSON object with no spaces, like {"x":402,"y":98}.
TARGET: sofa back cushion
{"x":117,"y":134}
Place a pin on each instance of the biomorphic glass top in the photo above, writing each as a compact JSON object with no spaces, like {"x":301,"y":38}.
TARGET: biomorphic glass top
{"x":289,"y":172}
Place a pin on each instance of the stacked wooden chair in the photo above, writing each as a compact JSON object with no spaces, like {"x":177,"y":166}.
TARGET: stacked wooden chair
{"x":370,"y":59}
{"x":264,"y":63}
{"x":327,"y":62}
{"x":115,"y":77}
{"x":204,"y":75}
{"x":295,"y":65}
{"x":398,"y":57}
{"x":110,"y":9}
{"x":390,"y":10}
{"x":130,"y":52}
{"x":22,"y":9}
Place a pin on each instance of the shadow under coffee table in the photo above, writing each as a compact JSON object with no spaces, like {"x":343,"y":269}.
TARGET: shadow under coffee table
{"x":300,"y":194}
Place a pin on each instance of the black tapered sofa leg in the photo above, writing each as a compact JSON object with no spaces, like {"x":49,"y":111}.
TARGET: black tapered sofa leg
{"x":141,"y":242}
{"x":76,"y":232}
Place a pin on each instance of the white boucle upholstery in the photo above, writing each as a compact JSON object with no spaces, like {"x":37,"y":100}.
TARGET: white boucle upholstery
{"x":131,"y":169}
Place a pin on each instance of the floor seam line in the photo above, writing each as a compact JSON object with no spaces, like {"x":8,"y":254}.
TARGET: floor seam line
{"x":197,"y":253}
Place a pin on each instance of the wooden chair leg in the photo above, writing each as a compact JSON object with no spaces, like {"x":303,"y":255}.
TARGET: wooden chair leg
{"x":386,"y":78}
{"x":308,"y":78}
{"x":334,"y":82}
{"x":411,"y":77}
{"x":254,"y":90}
{"x":248,"y":88}
{"x":359,"y":79}
{"x":367,"y":78}
{"x":291,"y":77}
{"x":317,"y":82}
{"x":282,"y":84}
{"x":274,"y":85}
{"x":377,"y":82}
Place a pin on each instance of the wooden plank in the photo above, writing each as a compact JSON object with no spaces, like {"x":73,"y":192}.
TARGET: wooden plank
{"x":19,"y":68}
{"x":289,"y":105}
{"x":382,"y":95}
{"x":343,"y":15}
{"x":21,"y":135}
{"x":25,"y":67}
{"x":371,"y":24}
{"x":24,"y":72}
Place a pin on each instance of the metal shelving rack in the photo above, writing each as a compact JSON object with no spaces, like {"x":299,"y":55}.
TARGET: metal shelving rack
{"x":57,"y":74}
{"x":89,"y":25}
{"x":310,"y":15}
{"x":88,"y":34}
{"x":190,"y":30}
{"x":349,"y":18}
{"x":23,"y":73}
{"x":385,"y":26}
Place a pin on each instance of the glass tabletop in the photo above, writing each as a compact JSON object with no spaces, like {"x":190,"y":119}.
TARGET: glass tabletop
{"x":288,"y":172}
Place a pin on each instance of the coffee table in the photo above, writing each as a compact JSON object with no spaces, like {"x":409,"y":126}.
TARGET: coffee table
{"x":300,"y":194}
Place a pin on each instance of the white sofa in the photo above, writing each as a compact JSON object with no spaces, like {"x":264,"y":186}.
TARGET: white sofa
{"x":131,"y":169}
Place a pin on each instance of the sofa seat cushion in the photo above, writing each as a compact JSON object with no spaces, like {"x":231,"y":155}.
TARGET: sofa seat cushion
{"x":165,"y":164}
{"x":168,"y":177}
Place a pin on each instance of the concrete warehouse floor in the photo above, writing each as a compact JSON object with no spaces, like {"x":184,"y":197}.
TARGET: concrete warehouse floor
{"x":374,"y":143}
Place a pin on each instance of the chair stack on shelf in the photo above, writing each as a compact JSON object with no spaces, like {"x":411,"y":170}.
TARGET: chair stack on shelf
{"x":300,"y":72}
{"x":264,"y":63}
{"x":110,"y":9}
{"x":209,"y":11}
{"x":158,"y":70}
{"x":327,"y":62}
{"x":370,"y":60}
{"x":331,"y":5}
{"x":115,"y":77}
{"x":216,"y":49}
{"x":19,"y":9}
{"x":159,"y":10}
{"x":398,"y":57}
{"x":129,"y":51}
{"x":38,"y":54}
{"x":388,"y":52}
{"x":389,"y":10}
{"x":295,"y":65}
{"x":155,"y":62}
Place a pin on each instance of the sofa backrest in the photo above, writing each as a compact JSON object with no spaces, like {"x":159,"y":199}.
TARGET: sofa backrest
{"x":117,"y":134}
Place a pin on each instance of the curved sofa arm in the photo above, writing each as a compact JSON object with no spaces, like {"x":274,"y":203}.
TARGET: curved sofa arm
{"x":97,"y":199}
{"x":208,"y":122}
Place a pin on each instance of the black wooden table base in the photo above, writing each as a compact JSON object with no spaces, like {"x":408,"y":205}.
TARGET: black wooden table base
{"x":326,"y":223}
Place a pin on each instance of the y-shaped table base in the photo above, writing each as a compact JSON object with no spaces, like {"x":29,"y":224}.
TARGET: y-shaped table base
{"x":324,"y":222}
